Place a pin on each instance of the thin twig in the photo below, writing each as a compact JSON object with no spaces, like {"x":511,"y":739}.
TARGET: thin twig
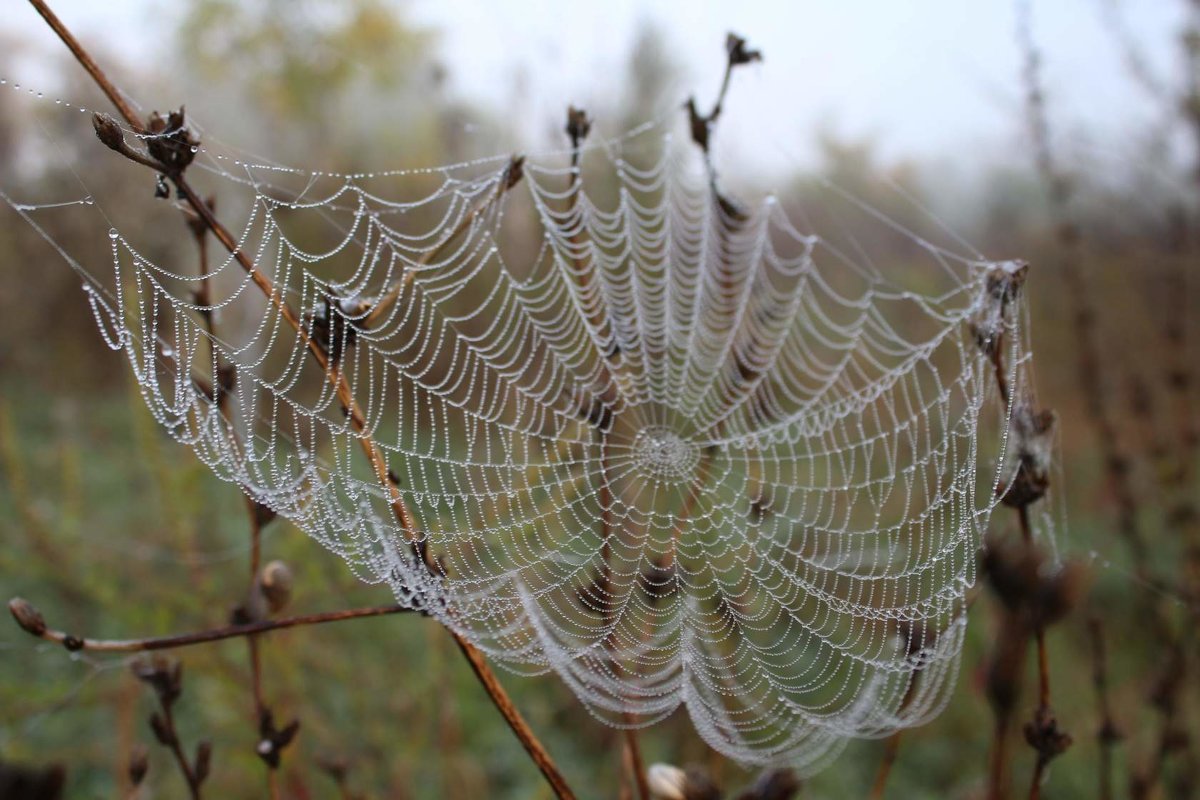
{"x":29,"y":619}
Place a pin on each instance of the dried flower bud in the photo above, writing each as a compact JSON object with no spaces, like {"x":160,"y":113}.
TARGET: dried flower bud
{"x":1043,"y":735}
{"x":735,"y":46}
{"x":139,"y":764}
{"x":203,"y":761}
{"x":272,"y":740}
{"x":1002,"y":284}
{"x":666,"y":782}
{"x":578,"y":125}
{"x":164,"y":675}
{"x":514,"y":172}
{"x":170,"y":142}
{"x":162,"y":732}
{"x":108,"y":131}
{"x":275,"y":583}
{"x":28,"y":617}
{"x":700,"y":125}
{"x":1032,"y":442}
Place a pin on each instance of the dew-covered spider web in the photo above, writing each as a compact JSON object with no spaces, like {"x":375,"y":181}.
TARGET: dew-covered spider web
{"x":674,"y":448}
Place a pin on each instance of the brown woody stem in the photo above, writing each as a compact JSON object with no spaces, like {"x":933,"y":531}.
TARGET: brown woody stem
{"x":73,"y":643}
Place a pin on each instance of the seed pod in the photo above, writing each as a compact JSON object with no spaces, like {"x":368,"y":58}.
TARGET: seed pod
{"x":203,"y":760}
{"x":275,"y":583}
{"x":28,"y":617}
{"x":139,"y":764}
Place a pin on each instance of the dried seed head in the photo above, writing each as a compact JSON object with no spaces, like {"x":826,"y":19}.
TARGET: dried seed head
{"x":162,"y":731}
{"x":108,"y":131}
{"x":578,"y":125}
{"x":275,"y":583}
{"x":28,"y":617}
{"x":1043,"y":735}
{"x":1032,"y":442}
{"x":514,"y":172}
{"x":139,"y":764}
{"x":666,"y":782}
{"x":699,"y":124}
{"x":203,"y":761}
{"x":738,"y":52}
{"x":170,"y":142}
{"x":1001,"y":286}
{"x":164,"y":675}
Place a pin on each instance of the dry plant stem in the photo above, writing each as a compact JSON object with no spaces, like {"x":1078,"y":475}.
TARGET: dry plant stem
{"x":73,"y":643}
{"x":486,"y":677}
{"x":509,"y":711}
{"x":891,"y":747}
{"x":1106,"y":734}
{"x":636,"y":764}
{"x":998,"y":764}
{"x":181,"y":759}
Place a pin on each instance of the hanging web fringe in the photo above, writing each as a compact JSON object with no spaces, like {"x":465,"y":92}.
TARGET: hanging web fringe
{"x":672,"y":449}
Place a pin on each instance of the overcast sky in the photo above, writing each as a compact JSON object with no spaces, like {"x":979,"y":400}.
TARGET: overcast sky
{"x":929,"y":78}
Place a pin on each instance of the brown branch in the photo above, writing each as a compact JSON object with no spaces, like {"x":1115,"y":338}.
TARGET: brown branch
{"x":30,"y":620}
{"x":537,"y":753}
{"x":345,"y":395}
{"x":85,"y":60}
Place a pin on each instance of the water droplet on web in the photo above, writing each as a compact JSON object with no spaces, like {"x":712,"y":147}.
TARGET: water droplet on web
{"x":195,"y":148}
{"x":88,"y":201}
{"x":112,"y":233}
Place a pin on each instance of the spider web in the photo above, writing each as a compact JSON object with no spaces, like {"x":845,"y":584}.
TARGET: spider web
{"x":673,"y":449}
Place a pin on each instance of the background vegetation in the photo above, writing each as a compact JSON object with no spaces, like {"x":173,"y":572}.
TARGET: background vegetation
{"x":113,"y":530}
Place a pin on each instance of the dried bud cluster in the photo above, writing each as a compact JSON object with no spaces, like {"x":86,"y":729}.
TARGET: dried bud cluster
{"x":1031,"y":437}
{"x":170,"y":142}
{"x":139,"y":764}
{"x":272,"y":741}
{"x":108,"y":131}
{"x":578,"y":125}
{"x":275,"y":583}
{"x":28,"y":617}
{"x":164,"y":675}
{"x":1001,"y":287}
{"x":738,"y":52}
{"x":1028,"y":586}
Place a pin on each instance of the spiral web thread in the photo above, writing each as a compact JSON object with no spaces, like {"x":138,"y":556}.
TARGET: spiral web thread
{"x":674,"y":450}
